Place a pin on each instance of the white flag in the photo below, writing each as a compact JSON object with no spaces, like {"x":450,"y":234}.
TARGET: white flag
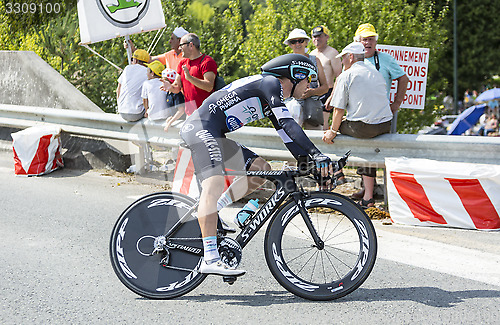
{"x":106,"y":19}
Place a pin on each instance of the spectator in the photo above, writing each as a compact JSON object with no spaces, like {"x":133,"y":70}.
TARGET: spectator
{"x":298,"y":40}
{"x":331,"y":65}
{"x":491,"y":126}
{"x":154,"y":99}
{"x":128,"y":92}
{"x":195,"y":77}
{"x":171,"y":60}
{"x":360,"y":92}
{"x":384,"y":63}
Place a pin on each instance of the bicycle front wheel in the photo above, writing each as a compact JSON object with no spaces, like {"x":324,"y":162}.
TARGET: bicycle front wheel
{"x":170,"y":272}
{"x":335,"y":267}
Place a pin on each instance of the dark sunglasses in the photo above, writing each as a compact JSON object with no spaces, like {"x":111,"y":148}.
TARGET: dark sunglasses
{"x":184,"y":44}
{"x":293,"y":41}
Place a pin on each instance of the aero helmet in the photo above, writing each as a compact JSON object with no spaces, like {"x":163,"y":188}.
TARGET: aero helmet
{"x":295,"y":67}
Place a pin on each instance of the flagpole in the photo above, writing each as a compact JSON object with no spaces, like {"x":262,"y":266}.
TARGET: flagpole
{"x":129,"y":50}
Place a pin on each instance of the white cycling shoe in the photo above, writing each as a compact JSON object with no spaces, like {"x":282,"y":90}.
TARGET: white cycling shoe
{"x":219,"y":268}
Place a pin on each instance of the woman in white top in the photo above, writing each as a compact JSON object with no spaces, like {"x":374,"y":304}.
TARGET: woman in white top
{"x":298,"y":40}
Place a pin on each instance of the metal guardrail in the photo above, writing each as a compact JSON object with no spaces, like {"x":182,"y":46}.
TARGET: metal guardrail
{"x":264,"y":141}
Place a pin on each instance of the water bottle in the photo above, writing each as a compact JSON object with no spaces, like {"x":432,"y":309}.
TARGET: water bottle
{"x":245,"y":214}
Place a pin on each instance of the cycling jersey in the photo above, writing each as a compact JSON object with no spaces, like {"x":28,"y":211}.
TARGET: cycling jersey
{"x":237,"y":104}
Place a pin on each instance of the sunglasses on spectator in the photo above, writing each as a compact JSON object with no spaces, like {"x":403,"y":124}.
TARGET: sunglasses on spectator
{"x":293,"y":41}
{"x":184,"y":44}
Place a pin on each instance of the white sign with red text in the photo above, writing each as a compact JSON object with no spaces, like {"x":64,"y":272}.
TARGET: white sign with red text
{"x":426,"y":192}
{"x":414,"y":61}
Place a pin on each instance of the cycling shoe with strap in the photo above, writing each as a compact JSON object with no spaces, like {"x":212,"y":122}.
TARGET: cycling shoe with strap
{"x":219,"y":268}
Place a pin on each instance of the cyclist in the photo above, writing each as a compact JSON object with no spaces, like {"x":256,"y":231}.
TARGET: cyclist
{"x":239,"y":103}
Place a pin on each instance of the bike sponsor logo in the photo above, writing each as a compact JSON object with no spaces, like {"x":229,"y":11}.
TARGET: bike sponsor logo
{"x":264,"y":172}
{"x":177,"y":284}
{"x":304,"y":64}
{"x":226,"y":101}
{"x":211,"y":144}
{"x":119,"y":252}
{"x":365,"y":249}
{"x":233,"y":123}
{"x":290,"y":277}
{"x":186,"y":248}
{"x":168,"y":202}
{"x":123,"y":13}
{"x":262,"y":215}
{"x":187,"y":127}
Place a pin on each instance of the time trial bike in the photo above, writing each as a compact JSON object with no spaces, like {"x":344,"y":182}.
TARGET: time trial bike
{"x":319,"y":245}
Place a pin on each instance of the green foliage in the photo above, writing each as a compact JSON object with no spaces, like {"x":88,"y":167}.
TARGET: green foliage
{"x":241,"y":35}
{"x":59,"y":38}
{"x":200,"y":11}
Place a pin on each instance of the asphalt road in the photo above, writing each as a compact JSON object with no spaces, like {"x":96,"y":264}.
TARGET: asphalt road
{"x":55,"y":267}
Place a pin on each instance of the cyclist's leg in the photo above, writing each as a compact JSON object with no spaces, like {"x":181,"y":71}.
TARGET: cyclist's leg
{"x":242,"y":186}
{"x":206,"y":146}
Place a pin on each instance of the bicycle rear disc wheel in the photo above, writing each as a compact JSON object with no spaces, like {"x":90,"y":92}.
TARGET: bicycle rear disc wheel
{"x":321,"y":272}
{"x":165,"y":275}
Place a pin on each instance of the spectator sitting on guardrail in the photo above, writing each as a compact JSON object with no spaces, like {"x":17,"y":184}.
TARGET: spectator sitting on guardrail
{"x":386,"y":64}
{"x":360,"y":92}
{"x":155,"y":99}
{"x":128,"y":92}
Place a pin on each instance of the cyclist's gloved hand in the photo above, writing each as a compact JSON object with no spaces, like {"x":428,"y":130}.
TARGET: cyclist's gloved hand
{"x":321,"y":160}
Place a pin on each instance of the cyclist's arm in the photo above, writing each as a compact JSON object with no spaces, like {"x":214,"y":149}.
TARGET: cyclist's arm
{"x":292,"y":135}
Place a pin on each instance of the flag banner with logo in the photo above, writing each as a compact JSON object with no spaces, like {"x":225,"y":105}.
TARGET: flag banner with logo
{"x":106,"y":19}
{"x":37,"y":150}
{"x":426,"y":192}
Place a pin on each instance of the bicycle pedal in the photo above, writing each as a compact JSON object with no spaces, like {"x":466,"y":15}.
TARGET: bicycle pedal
{"x":229,"y":279}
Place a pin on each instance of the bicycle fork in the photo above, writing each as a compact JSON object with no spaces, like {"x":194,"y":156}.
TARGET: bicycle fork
{"x":298,"y":197}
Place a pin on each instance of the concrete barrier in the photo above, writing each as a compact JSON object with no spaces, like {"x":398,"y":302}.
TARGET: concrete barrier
{"x":27,"y":80}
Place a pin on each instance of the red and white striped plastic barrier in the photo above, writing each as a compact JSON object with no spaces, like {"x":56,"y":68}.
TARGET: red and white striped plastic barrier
{"x":434,"y":193}
{"x":37,"y":150}
{"x":184,"y":177}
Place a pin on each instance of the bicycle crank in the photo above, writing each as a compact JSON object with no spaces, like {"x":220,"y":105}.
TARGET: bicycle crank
{"x":230,"y":254}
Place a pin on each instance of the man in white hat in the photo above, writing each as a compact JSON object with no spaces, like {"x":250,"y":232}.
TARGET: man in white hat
{"x":172,"y":58}
{"x":360,"y":93}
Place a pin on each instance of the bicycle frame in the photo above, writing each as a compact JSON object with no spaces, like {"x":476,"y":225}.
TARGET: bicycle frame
{"x":285,"y":186}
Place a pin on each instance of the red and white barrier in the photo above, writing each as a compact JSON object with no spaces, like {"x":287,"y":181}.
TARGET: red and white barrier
{"x":37,"y":150}
{"x":434,"y":193}
{"x":184,"y":177}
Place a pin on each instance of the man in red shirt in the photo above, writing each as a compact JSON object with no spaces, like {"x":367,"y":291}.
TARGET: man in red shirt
{"x":195,"y":77}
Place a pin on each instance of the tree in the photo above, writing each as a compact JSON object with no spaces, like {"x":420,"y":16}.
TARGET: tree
{"x":478,"y":37}
{"x":397,"y":23}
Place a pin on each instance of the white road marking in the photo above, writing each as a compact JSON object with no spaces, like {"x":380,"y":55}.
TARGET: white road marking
{"x":444,"y":258}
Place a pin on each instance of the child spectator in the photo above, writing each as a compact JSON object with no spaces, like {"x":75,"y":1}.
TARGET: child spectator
{"x":155,"y":99}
